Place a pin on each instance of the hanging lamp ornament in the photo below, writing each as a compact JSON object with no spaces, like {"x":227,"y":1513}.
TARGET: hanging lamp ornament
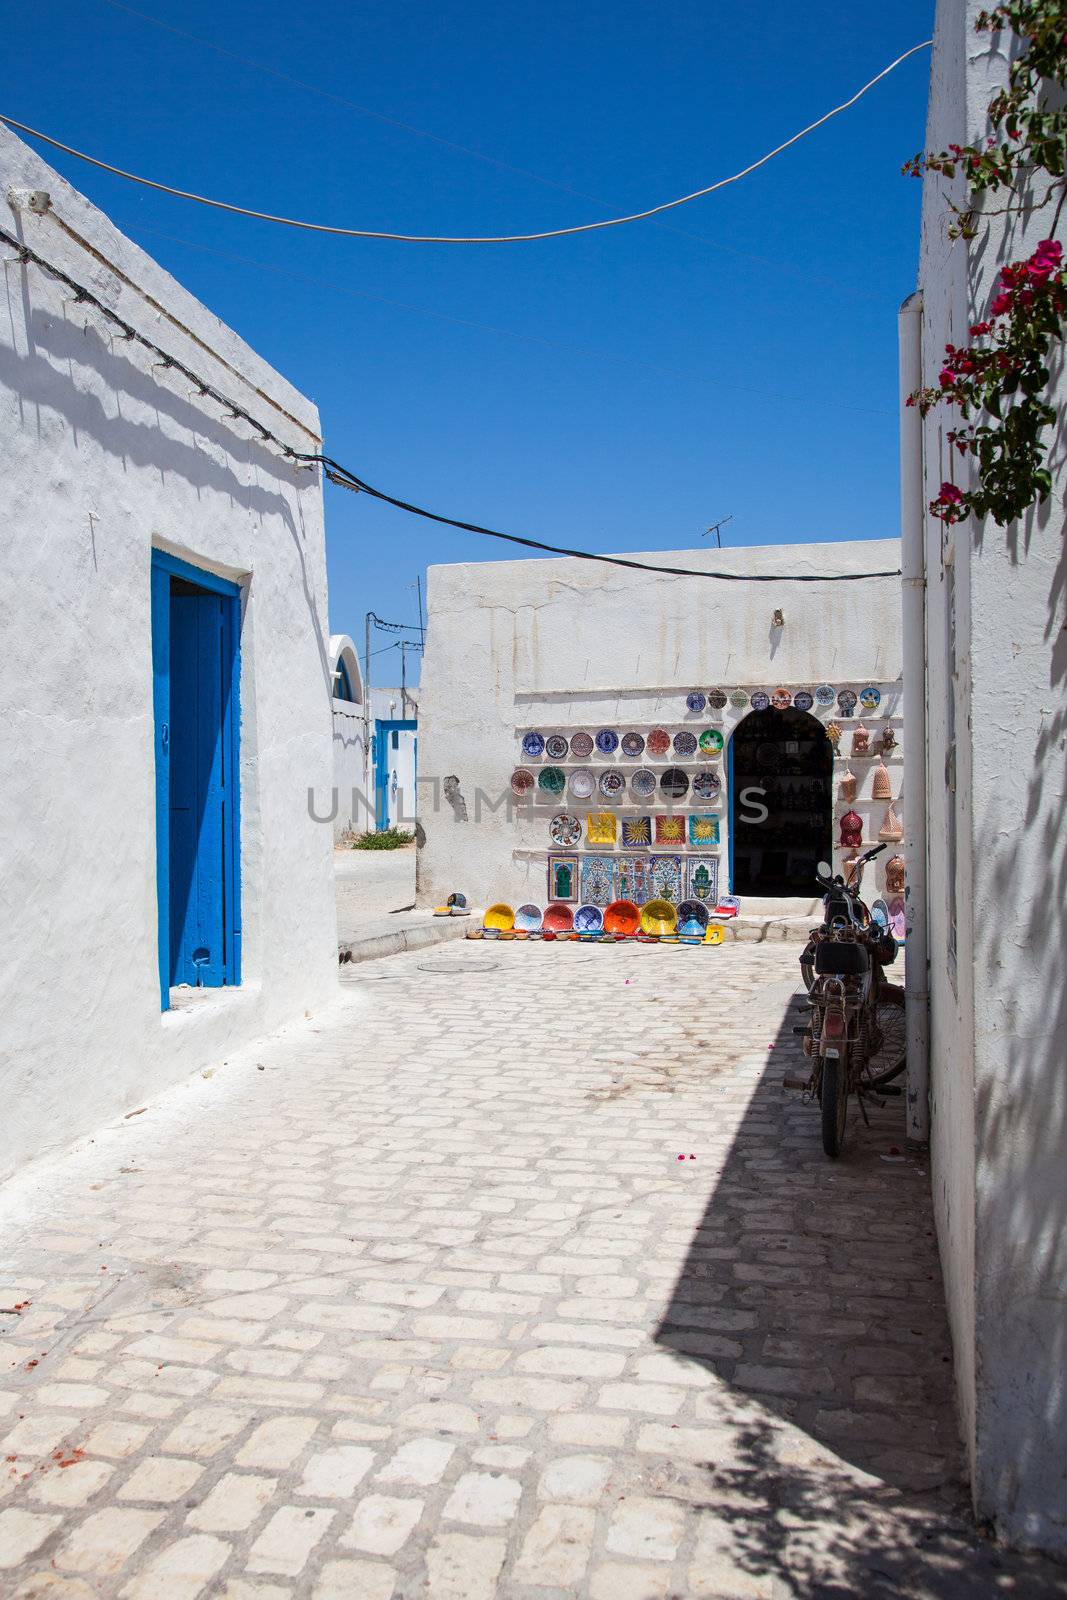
{"x":882,"y":788}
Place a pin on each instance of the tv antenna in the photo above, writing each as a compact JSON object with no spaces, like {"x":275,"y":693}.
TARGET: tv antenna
{"x":715,"y":528}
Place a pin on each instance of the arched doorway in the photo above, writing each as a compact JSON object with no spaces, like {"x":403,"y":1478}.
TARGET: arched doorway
{"x":781,"y":802}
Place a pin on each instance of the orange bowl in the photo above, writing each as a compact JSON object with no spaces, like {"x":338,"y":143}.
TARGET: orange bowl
{"x":558,"y":918}
{"x":622,"y":916}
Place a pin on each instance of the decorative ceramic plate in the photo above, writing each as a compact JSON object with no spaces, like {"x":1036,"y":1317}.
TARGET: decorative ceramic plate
{"x":802,"y":700}
{"x":670,"y":830}
{"x":598,"y":880}
{"x":565,"y":829}
{"x":501,"y":917}
{"x":533,"y":745}
{"x":684,"y":743}
{"x":659,"y":917}
{"x":658,"y":742}
{"x":824,"y":695}
{"x":781,"y":700}
{"x":711,"y":742}
{"x":588,"y":919}
{"x":528,"y":918}
{"x":643,"y":783}
{"x":696,"y":701}
{"x":633,"y":744}
{"x":636,"y":831}
{"x":557,"y":918}
{"x":674,"y":783}
{"x":581,"y":745}
{"x":607,"y":741}
{"x":691,"y":911}
{"x":870,"y":698}
{"x":582,"y":783}
{"x":551,"y":780}
{"x":846,"y":700}
{"x":759,"y":701}
{"x":703,"y":830}
{"x":556,"y":747}
{"x":739,"y":699}
{"x":522,"y":781}
{"x":601,"y":827}
{"x":622,"y":916}
{"x":717,"y":700}
{"x":706,"y":785}
{"x":612,"y":783}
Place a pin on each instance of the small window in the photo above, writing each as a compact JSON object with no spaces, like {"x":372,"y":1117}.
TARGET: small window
{"x":342,"y":683}
{"x":396,"y":740}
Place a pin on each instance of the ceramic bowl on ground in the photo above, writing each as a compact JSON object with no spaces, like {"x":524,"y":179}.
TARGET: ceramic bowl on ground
{"x":558,"y":918}
{"x":692,"y":918}
{"x":658,"y":742}
{"x":622,"y":917}
{"x":552,"y":780}
{"x":633,"y":744}
{"x":582,"y":783}
{"x":556,"y":747}
{"x":643,"y":783}
{"x":711,"y":741}
{"x":588,"y":919}
{"x":528,"y":918}
{"x":522,"y":781}
{"x":696,"y":701}
{"x":612,"y":783}
{"x":564,"y":829}
{"x":607,"y":741}
{"x":658,"y":917}
{"x":581,"y":745}
{"x":684,"y":743}
{"x":714,"y":933}
{"x":533,"y":745}
{"x":674,"y":783}
{"x":499,"y":918}
{"x":706,"y":785}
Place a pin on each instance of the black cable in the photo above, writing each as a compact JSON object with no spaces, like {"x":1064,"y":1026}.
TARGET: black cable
{"x":345,"y":479}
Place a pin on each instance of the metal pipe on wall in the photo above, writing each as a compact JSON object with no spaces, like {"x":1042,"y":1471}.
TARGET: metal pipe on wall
{"x":913,"y":607}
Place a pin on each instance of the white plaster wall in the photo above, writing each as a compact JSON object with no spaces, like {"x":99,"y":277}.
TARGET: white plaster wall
{"x":569,"y":644}
{"x":352,"y":811}
{"x":104,"y":456}
{"x":999,"y":1089}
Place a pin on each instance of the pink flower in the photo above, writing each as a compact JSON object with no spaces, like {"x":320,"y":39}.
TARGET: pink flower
{"x":980,"y":328}
{"x":1000,"y":305}
{"x":950,"y":495}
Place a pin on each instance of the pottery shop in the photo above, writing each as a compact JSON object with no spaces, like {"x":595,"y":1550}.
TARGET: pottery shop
{"x":595,"y":734}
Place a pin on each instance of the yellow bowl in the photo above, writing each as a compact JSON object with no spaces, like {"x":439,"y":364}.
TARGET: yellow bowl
{"x":658,"y":917}
{"x":713,"y":933}
{"x":501,"y":917}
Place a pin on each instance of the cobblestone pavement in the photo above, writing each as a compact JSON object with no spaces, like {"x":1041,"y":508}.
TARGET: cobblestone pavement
{"x":420,"y":1299}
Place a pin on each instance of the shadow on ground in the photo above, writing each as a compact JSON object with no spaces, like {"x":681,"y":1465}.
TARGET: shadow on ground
{"x":811,"y":1294}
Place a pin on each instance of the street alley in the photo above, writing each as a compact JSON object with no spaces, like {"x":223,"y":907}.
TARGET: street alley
{"x":514,"y":1273}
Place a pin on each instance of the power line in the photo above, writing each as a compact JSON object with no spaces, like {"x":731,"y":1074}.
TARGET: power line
{"x":505,"y":238}
{"x":345,"y":479}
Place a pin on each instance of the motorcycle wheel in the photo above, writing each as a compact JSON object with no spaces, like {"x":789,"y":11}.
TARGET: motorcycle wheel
{"x":834,"y":1100}
{"x":890,"y":1058}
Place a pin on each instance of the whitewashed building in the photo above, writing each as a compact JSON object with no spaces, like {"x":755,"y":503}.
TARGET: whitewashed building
{"x":986,"y":610}
{"x":588,"y":732}
{"x":347,"y":802}
{"x":165,"y":687}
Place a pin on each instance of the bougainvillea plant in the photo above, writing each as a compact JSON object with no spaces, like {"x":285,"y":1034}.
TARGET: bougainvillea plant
{"x":1000,"y":380}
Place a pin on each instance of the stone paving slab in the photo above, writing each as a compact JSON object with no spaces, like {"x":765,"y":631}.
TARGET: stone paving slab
{"x":514,"y":1274}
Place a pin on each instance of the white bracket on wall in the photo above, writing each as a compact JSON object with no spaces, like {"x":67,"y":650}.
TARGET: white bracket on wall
{"x":36,"y":200}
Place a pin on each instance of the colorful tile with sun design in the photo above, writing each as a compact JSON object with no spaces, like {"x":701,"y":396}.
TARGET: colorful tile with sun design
{"x":600,"y":827}
{"x":665,"y":879}
{"x":563,"y":878}
{"x":631,"y":878}
{"x":703,"y":830}
{"x":636,"y":831}
{"x":670,"y":830}
{"x":703,"y":873}
{"x":598,"y":880}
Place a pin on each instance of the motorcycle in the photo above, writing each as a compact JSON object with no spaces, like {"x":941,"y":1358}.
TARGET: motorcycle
{"x":854,"y":1036}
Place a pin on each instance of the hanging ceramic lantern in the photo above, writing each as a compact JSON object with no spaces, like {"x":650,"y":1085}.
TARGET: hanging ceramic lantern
{"x":833,"y":733}
{"x":894,"y":875}
{"x":888,"y":740}
{"x":891,"y":829}
{"x":847,"y":790}
{"x":851,"y":829}
{"x":882,"y":788}
{"x":861,"y":741}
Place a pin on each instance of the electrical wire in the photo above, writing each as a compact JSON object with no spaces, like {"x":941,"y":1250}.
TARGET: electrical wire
{"x":505,"y":238}
{"x":345,"y":479}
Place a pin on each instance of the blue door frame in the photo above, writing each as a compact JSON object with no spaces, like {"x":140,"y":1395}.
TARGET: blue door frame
{"x":383,"y":728}
{"x":196,"y":670}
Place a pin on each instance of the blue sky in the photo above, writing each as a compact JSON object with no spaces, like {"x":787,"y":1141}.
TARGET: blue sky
{"x":618,"y":391}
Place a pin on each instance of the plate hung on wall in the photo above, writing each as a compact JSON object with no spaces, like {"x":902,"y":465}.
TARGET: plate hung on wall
{"x":581,"y":746}
{"x":846,"y":701}
{"x":607,"y":741}
{"x":633,"y":745}
{"x":522,"y":781}
{"x":803,"y":700}
{"x":556,"y":747}
{"x":533,"y":745}
{"x":551,"y":780}
{"x":706,"y":785}
{"x":870,"y":698}
{"x":643,"y":783}
{"x":824,"y":695}
{"x":684,"y":743}
{"x":760,"y":700}
{"x":696,"y":701}
{"x":717,"y":700}
{"x":781,"y":699}
{"x":711,"y":742}
{"x":658,"y":742}
{"x":674,"y":783}
{"x":582,"y":783}
{"x":564,"y":829}
{"x":612,"y":783}
{"x":739,"y":699}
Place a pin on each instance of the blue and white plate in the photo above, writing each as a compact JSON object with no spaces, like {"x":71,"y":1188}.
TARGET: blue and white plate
{"x":824,"y":695}
{"x":696,"y":701}
{"x":607,"y":741}
{"x":802,"y":700}
{"x":533,"y":744}
{"x":870,"y":698}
